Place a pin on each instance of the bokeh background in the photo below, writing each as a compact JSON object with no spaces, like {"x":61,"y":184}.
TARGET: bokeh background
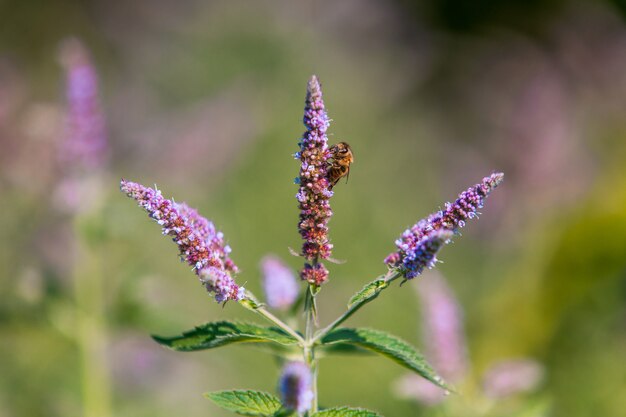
{"x":205,"y":99}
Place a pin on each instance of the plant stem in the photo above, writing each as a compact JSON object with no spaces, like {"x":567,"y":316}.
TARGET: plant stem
{"x":309,"y":351}
{"x":389,"y":277}
{"x":269,"y":316}
{"x":91,"y":336}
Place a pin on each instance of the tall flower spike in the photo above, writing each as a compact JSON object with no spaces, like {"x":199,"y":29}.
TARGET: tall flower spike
{"x":200,"y":245}
{"x":295,"y":387}
{"x":442,"y":329}
{"x":452,"y":218}
{"x":85,"y":143}
{"x":279,"y":283}
{"x":314,"y":193}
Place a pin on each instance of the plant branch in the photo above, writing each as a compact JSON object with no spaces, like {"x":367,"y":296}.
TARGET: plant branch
{"x":387,"y":278}
{"x":251,"y":303}
{"x":309,"y":353}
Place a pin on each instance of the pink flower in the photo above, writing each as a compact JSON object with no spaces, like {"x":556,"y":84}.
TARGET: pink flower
{"x":466,"y":206}
{"x":85,"y":144}
{"x":200,"y":245}
{"x":314,"y":193}
{"x":513,"y":376}
{"x":295,"y":387}
{"x":442,"y":319}
{"x":279,"y":283}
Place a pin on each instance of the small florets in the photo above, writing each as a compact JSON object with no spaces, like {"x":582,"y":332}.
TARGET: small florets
{"x":199,"y":243}
{"x":418,"y":245}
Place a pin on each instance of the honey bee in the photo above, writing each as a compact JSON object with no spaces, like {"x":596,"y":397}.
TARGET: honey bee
{"x":339,"y":163}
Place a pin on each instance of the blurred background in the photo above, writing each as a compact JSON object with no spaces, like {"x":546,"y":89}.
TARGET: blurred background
{"x":205,"y":99}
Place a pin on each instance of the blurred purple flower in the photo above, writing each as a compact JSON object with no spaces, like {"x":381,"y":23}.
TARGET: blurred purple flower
{"x":513,"y":376}
{"x":85,"y":144}
{"x":200,"y":245}
{"x":451,"y":219}
{"x":444,"y":337}
{"x":314,"y":195}
{"x":443,"y":327}
{"x":295,"y":387}
{"x":279,"y":283}
{"x":417,"y":388}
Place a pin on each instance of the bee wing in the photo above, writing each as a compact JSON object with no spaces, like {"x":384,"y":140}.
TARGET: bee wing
{"x":348,"y":174}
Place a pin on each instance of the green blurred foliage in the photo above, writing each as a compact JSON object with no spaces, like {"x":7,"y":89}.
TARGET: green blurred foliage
{"x":421,"y":96}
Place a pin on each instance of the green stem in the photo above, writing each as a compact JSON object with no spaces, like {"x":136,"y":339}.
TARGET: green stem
{"x":309,"y":350}
{"x":388,"y":278}
{"x":262,"y":311}
{"x":91,"y":336}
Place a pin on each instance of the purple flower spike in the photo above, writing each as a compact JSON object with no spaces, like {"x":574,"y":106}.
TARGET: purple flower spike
{"x":200,"y":245}
{"x":513,"y":376}
{"x":451,"y":219}
{"x":295,"y":387}
{"x":85,"y":144}
{"x":279,"y":282}
{"x":443,"y":327}
{"x":314,"y":193}
{"x":420,"y":254}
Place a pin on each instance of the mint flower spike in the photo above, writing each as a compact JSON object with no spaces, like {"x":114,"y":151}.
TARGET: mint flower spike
{"x":446,"y":348}
{"x":442,"y":326}
{"x":200,"y":245}
{"x":314,"y":193}
{"x":295,"y":387}
{"x":85,"y":143}
{"x":420,"y":243}
{"x":279,"y":283}
{"x":421,"y":254}
{"x":511,"y":377}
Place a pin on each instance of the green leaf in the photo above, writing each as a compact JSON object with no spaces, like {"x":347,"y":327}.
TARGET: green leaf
{"x":387,"y":345}
{"x":346,"y":412}
{"x":221,"y":333}
{"x":368,"y":292}
{"x":246,"y":402}
{"x":342,"y":349}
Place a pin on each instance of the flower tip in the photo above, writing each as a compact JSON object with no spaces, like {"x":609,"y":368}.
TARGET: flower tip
{"x":497,"y":178}
{"x":314,"y":86}
{"x":72,"y":52}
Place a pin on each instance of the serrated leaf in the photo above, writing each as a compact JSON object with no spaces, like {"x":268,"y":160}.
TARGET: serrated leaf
{"x":346,"y":412}
{"x":221,"y":333}
{"x":368,"y":292}
{"x":342,"y":349}
{"x":246,"y":402}
{"x":387,"y":345}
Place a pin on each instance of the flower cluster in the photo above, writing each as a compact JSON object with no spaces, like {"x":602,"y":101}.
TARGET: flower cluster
{"x":295,"y":387}
{"x":200,"y":244}
{"x":419,"y":244}
{"x":85,"y":143}
{"x":279,"y":283}
{"x":443,"y":327}
{"x":512,"y":376}
{"x":314,"y":193}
